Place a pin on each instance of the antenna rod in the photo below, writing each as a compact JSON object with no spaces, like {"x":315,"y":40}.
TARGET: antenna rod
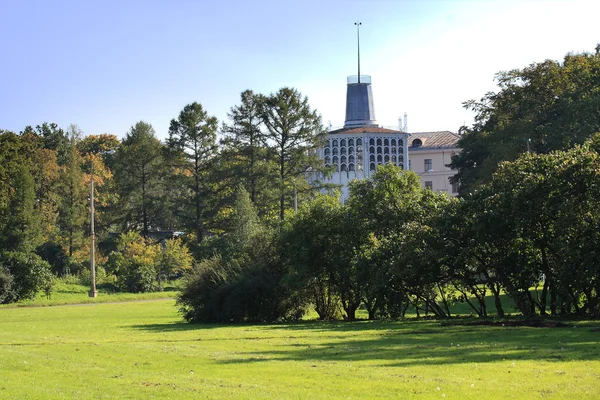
{"x":358,"y":24}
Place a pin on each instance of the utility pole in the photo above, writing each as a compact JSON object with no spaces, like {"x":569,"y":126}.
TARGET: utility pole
{"x":93,"y":292}
{"x":295,"y":198}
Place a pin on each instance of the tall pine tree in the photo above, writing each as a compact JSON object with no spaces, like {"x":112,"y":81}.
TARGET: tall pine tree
{"x":139,"y":176}
{"x":294,"y":131}
{"x":245,"y":153}
{"x":192,"y":145}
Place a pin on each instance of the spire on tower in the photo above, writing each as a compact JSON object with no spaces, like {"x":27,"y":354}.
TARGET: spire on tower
{"x":359,"y":96}
{"x":358,"y":24}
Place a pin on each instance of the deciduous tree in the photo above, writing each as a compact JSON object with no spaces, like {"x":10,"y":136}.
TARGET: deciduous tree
{"x":543,"y":107}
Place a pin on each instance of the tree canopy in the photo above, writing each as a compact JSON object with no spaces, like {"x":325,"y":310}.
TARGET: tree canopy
{"x":544,"y":107}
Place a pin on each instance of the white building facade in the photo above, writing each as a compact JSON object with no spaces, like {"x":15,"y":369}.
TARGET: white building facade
{"x":355,"y":153}
{"x":356,"y":150}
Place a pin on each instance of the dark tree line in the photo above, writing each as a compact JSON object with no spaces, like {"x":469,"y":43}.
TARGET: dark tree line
{"x":531,"y":233}
{"x":526,"y":225}
{"x":146,"y":190}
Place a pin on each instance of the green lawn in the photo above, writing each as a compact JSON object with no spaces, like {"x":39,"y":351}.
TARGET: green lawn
{"x":65,"y":293}
{"x":144,"y":350}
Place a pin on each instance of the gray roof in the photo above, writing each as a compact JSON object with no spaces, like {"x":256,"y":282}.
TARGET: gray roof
{"x":429,"y":140}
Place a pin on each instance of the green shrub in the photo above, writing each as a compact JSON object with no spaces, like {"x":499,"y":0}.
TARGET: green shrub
{"x":6,"y":285}
{"x":244,"y":289}
{"x":30,"y":274}
{"x":56,"y":257}
{"x":139,"y":276}
{"x":85,"y":277}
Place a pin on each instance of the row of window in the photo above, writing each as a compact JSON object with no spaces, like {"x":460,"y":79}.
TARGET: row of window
{"x":342,"y":142}
{"x":359,"y":167}
{"x":348,"y":167}
{"x":372,"y":158}
{"x":342,"y":150}
{"x":350,"y":150}
{"x":342,"y":159}
{"x":372,"y":142}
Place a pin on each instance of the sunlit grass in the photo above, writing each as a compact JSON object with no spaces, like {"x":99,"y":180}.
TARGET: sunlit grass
{"x":71,"y":293}
{"x":144,"y":350}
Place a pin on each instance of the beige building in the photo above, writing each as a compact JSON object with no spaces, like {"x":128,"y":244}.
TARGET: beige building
{"x":429,"y":153}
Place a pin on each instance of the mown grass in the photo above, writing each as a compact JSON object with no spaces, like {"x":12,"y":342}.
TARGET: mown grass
{"x":72,"y":293}
{"x":144,"y":350}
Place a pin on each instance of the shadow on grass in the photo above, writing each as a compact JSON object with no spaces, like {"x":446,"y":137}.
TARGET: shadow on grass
{"x":406,"y":343}
{"x":310,"y":325}
{"x":174,"y":327}
{"x":443,"y":345}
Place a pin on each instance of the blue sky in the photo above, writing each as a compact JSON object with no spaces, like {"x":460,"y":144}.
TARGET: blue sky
{"x":104,"y":65}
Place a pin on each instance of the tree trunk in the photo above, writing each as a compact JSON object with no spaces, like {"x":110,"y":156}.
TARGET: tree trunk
{"x":553,"y":300}
{"x":466,"y":299}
